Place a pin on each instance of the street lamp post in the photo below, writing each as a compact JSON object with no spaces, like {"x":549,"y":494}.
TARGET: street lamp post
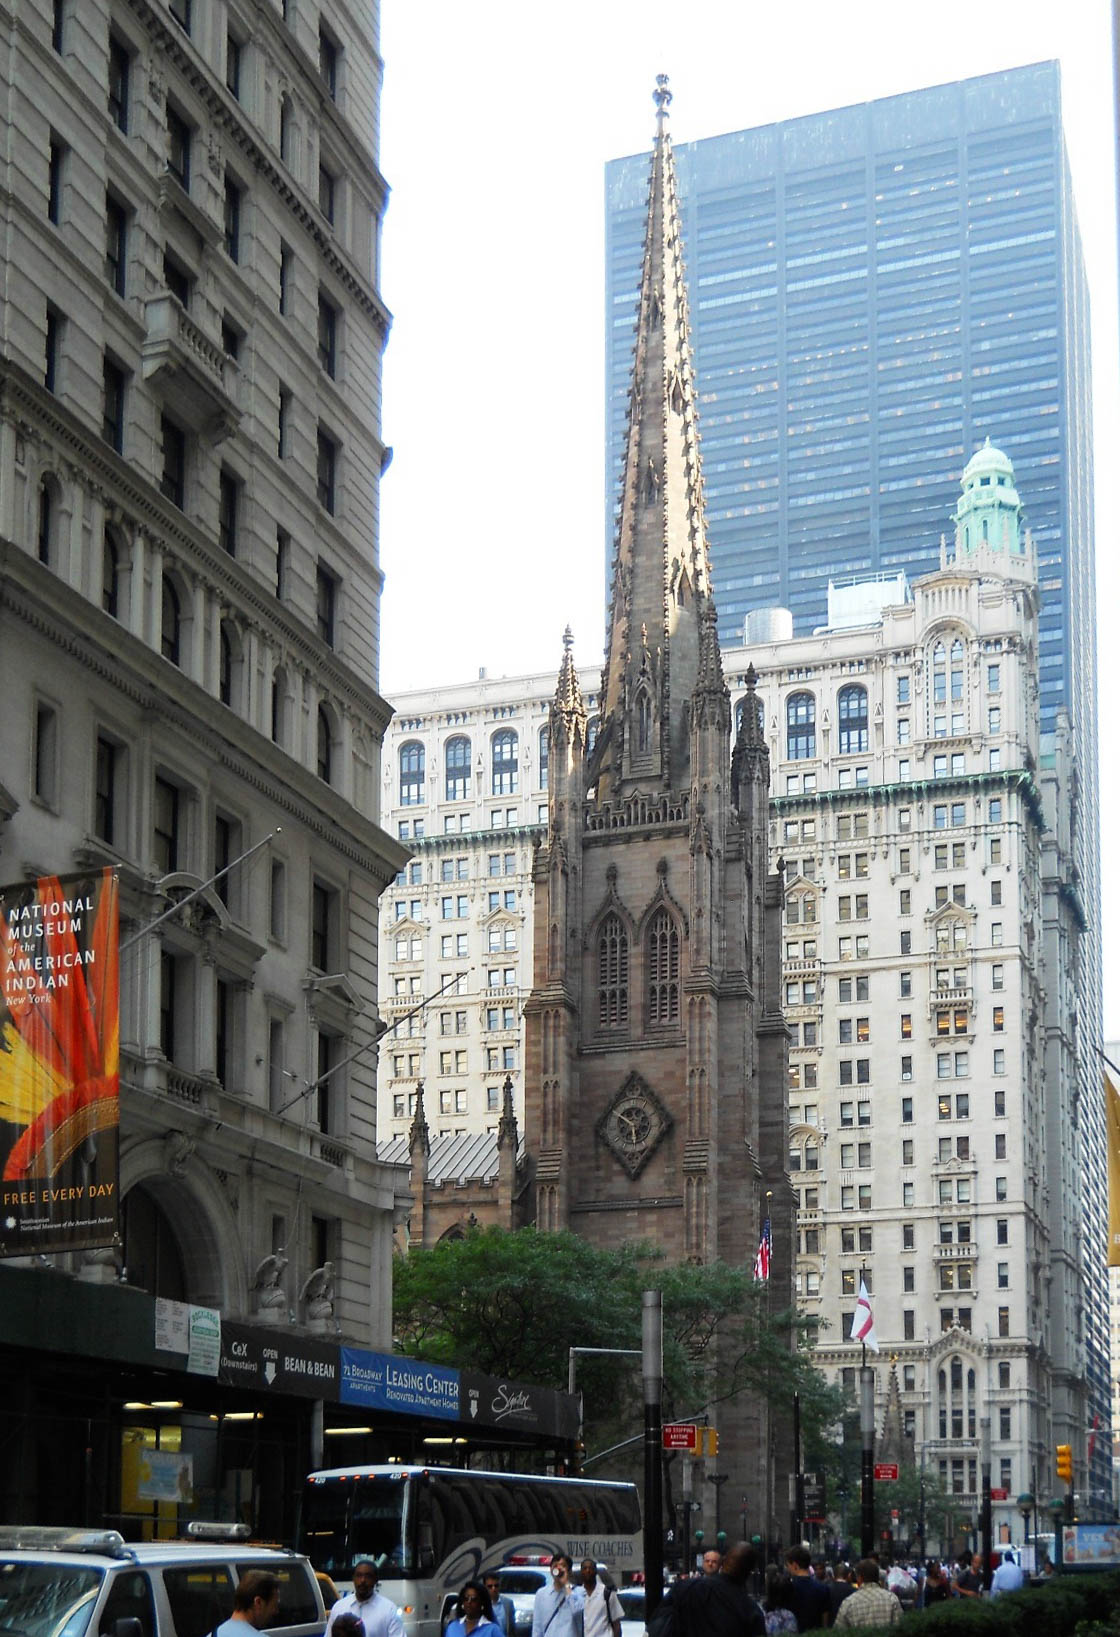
{"x":718,"y":1479}
{"x":867,"y":1461}
{"x":986,"y":1498}
{"x":653,"y":1528}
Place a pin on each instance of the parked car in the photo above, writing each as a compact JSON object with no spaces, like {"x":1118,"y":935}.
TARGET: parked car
{"x":633,"y":1600}
{"x":521,"y":1582}
{"x":87,"y":1583}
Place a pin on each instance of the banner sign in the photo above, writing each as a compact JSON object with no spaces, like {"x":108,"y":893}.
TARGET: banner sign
{"x":205,"y":1340}
{"x":59,"y":1064}
{"x":380,"y":1381}
{"x":166,"y":1475}
{"x":173,"y":1326}
{"x":1094,"y":1544}
{"x":492,"y":1401}
{"x":1112,"y":1128}
{"x":273,"y":1360}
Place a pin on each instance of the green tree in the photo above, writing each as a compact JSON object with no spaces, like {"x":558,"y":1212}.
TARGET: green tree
{"x":513,"y":1303}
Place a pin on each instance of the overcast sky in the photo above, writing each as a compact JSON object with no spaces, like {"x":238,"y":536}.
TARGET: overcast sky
{"x":497,"y":121}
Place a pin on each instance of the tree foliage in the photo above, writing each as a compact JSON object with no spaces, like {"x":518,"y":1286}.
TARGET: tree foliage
{"x":514,"y":1303}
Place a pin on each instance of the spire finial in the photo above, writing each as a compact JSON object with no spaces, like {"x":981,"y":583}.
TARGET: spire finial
{"x":568,"y":639}
{"x":662,"y":97}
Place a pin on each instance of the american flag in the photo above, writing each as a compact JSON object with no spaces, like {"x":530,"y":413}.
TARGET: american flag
{"x":762,"y":1260}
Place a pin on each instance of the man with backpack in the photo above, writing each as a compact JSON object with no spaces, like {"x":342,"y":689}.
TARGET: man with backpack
{"x":717,"y":1605}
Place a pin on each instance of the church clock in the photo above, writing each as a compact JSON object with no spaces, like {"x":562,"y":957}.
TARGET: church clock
{"x":634,"y":1124}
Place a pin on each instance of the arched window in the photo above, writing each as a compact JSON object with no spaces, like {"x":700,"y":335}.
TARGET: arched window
{"x":801,"y":727}
{"x":956,"y":1399}
{"x":457,"y":768}
{"x":503,"y":763}
{"x":644,"y":709}
{"x":225,"y":667}
{"x":324,"y":740}
{"x":412,"y":774}
{"x":169,"y":624}
{"x":151,"y":1244}
{"x":947,"y":689}
{"x":851,"y":712}
{"x":956,"y":670}
{"x":542,"y":758}
{"x":614,"y":974}
{"x":664,"y":969}
{"x":110,"y":574}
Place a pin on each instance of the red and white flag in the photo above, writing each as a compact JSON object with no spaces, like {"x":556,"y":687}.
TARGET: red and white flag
{"x":863,"y":1321}
{"x":762,"y":1260}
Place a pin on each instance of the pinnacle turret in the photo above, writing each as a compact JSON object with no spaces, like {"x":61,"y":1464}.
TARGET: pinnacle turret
{"x":569,"y":696}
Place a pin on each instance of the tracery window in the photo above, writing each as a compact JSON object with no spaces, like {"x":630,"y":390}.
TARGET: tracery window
{"x":644,"y":711}
{"x":663,"y":969}
{"x":614,"y":974}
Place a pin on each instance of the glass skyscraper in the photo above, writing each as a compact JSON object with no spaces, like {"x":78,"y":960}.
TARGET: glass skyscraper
{"x":874,"y":291}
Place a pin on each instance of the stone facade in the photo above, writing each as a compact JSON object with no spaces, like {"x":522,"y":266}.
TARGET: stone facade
{"x":190,"y":455}
{"x":930,"y":954}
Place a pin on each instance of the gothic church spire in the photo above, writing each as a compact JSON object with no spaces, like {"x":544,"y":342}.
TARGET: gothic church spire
{"x":661,"y":633}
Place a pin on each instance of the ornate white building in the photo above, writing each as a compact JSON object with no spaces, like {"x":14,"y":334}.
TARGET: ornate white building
{"x":930,"y":958}
{"x":930,"y":950}
{"x":190,"y":455}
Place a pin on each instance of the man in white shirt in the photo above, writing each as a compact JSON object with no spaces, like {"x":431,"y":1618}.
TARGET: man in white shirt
{"x":602,"y":1611}
{"x":378,"y":1615}
{"x":1008,"y":1577}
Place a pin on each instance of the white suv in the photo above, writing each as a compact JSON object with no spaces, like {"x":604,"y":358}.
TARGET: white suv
{"x":85,"y":1583}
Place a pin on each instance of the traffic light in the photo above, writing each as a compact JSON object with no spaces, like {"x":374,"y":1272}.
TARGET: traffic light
{"x":1065,"y":1463}
{"x":709,"y":1441}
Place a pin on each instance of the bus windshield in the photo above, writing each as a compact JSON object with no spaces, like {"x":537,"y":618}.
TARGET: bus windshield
{"x":348,"y":1519}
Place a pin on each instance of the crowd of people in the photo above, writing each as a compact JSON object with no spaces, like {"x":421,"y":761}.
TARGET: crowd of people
{"x":718,"y":1601}
{"x":803,"y":1595}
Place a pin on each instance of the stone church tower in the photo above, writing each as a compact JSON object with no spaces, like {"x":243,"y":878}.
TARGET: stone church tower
{"x":655,"y":1053}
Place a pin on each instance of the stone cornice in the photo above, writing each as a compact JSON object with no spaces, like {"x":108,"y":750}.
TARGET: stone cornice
{"x":32,"y":410}
{"x":72,"y":625}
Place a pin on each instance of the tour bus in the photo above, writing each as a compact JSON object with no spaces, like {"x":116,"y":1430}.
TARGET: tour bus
{"x":430,"y":1529}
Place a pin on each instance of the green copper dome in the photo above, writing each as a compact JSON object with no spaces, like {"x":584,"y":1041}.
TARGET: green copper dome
{"x":989,"y":512}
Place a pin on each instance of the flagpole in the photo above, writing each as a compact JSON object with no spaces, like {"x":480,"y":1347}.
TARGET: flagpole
{"x":867,"y":1459}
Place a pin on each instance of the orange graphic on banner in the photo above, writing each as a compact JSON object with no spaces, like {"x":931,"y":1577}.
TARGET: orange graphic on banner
{"x":59,"y":1059}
